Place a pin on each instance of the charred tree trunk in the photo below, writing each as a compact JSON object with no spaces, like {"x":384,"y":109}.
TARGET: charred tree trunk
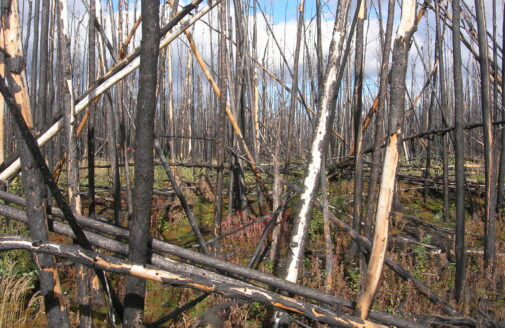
{"x":15,"y":60}
{"x":144,"y":139}
{"x":67,"y":107}
{"x":91,"y":110}
{"x":379,"y":134}
{"x":294,"y":85}
{"x":443,"y":109}
{"x":358,"y":136}
{"x":43,"y":68}
{"x":459,"y":145}
{"x":220,"y":128}
{"x":50,"y":288}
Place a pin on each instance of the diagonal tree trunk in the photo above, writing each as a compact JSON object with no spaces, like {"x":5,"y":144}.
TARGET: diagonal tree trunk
{"x":144,"y":174}
{"x":187,"y":276}
{"x":123,"y":69}
{"x":311,"y":183}
{"x":397,"y":87}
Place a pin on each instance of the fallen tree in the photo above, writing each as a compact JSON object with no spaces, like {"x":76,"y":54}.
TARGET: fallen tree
{"x":187,"y":277}
{"x":113,"y":245}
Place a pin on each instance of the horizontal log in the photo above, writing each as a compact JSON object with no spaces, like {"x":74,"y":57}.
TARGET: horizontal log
{"x":198,"y":258}
{"x":187,"y":279}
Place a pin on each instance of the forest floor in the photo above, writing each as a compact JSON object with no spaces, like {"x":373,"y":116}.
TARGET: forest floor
{"x":420,"y":240}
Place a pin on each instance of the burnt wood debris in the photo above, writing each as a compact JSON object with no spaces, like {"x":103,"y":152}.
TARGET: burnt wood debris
{"x":252,"y":163}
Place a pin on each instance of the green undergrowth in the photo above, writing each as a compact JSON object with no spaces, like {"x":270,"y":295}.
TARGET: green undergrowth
{"x":169,"y":222}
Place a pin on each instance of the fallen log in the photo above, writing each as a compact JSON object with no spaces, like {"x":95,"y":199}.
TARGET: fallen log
{"x":198,"y":258}
{"x":205,"y":283}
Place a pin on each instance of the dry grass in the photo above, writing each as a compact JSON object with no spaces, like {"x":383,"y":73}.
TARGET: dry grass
{"x":18,"y":306}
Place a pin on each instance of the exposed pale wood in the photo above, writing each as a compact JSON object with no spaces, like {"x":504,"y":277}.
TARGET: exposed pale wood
{"x":11,"y":30}
{"x":188,"y":278}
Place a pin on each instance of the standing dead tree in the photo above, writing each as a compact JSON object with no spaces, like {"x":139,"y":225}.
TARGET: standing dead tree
{"x":459,"y":146}
{"x":116,"y":74}
{"x":397,"y":86}
{"x":336,"y":64}
{"x":144,"y":169}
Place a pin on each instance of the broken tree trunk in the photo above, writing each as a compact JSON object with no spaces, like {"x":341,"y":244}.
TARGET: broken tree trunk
{"x":197,"y":258}
{"x":386,"y":192}
{"x":56,"y":313}
{"x":319,"y":146}
{"x":11,"y":29}
{"x":379,"y":133}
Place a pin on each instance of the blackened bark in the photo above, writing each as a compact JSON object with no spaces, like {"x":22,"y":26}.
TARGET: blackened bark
{"x":397,"y":105}
{"x":459,"y":145}
{"x":34,"y":60}
{"x":189,"y":277}
{"x":50,"y":289}
{"x":56,"y":313}
{"x":358,"y":132}
{"x":429,"y":147}
{"x":43,"y":68}
{"x":326,"y":115}
{"x":144,"y":138}
{"x":443,"y":109}
{"x":210,"y":262}
{"x":67,"y":107}
{"x":220,"y":128}
{"x":189,"y":213}
{"x":91,"y":120}
{"x":294,"y":86}
{"x":379,"y":134}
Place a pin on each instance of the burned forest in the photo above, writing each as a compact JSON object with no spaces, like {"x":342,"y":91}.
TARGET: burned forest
{"x":252,"y":163}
